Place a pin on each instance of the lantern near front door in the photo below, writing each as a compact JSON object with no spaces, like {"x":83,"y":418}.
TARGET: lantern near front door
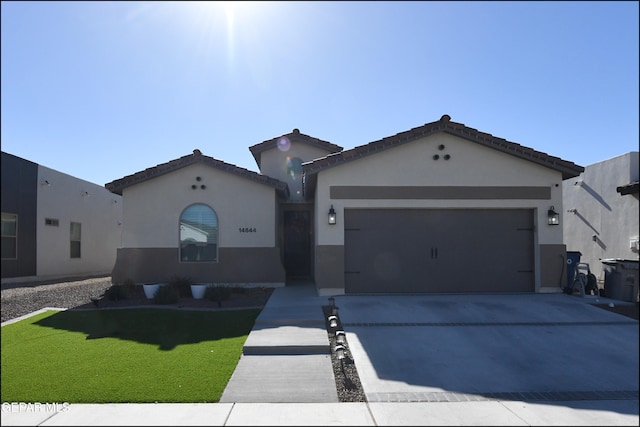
{"x":554,"y":217}
{"x":332,"y":216}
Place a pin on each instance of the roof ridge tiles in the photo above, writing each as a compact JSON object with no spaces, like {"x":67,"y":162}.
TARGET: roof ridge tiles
{"x":118,"y":185}
{"x":445,"y":124}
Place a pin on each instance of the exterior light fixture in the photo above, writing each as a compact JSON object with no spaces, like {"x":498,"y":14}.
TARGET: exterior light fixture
{"x":340,"y":337}
{"x":554,"y":217}
{"x":85,"y":194}
{"x":46,"y":182}
{"x":333,"y":321}
{"x":332,"y":216}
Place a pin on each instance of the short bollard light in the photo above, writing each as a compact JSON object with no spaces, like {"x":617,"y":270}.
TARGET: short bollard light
{"x":332,"y":302}
{"x":334,"y":311}
{"x":333,"y":321}
{"x":339,"y":352}
{"x":340,"y":337}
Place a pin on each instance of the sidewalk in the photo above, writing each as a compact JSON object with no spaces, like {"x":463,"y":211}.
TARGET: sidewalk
{"x":285,"y":377}
{"x":505,"y":413}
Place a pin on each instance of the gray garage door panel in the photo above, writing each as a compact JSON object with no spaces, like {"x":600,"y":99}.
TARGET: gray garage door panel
{"x":438,"y":250}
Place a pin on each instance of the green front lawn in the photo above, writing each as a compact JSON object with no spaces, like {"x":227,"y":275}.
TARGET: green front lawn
{"x":125,"y":355}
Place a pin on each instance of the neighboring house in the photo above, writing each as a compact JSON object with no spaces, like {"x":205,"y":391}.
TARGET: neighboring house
{"x":601,"y":212}
{"x":55,"y":225}
{"x":441,"y":208}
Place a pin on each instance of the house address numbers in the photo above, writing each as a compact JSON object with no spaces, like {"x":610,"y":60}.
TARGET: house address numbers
{"x":247,"y":229}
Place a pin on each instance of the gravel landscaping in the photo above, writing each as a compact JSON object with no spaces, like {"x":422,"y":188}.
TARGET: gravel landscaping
{"x":19,"y":299}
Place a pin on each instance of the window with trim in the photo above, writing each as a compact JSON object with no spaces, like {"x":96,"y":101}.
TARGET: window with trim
{"x":198,"y":234}
{"x":76,"y":234}
{"x":9,"y":236}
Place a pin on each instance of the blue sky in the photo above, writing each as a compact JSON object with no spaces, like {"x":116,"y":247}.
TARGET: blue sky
{"x":101,"y":90}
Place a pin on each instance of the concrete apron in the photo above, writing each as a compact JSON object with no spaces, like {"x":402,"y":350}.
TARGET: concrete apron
{"x":435,"y":348}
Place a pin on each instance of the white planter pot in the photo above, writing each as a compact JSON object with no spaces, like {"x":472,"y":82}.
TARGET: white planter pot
{"x":150,"y":289}
{"x":198,"y":290}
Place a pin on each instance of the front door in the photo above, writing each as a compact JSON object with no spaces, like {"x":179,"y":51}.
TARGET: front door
{"x":297,"y":243}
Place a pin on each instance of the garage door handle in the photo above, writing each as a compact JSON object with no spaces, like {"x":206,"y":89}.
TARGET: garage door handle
{"x":434,"y":253}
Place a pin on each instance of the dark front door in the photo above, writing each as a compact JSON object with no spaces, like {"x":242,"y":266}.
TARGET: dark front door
{"x":297,"y":244}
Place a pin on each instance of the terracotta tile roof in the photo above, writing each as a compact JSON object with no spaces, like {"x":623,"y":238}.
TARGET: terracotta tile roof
{"x":294,"y":136}
{"x":631,"y":188}
{"x":197,"y":157}
{"x":568,"y":169}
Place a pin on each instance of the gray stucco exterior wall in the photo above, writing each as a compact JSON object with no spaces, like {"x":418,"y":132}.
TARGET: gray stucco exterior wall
{"x":599,"y":222}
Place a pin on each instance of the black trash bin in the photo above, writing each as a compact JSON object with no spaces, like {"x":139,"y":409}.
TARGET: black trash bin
{"x":621,"y":279}
{"x":573,"y":259}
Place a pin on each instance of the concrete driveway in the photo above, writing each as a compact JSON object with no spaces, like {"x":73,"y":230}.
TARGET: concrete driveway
{"x":549,"y":347}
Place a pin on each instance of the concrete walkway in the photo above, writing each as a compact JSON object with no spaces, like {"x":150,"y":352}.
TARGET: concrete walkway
{"x":422,"y":360}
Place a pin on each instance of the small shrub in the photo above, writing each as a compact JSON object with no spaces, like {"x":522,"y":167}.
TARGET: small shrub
{"x":218,"y":294}
{"x":182,"y":286}
{"x":166,"y":294}
{"x":116,"y":293}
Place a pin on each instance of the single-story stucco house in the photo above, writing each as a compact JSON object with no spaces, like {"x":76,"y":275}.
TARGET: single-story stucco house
{"x":441,"y":208}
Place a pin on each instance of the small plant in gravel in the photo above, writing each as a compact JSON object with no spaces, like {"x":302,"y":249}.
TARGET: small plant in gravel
{"x":166,"y":294}
{"x":115,"y":293}
{"x":120,"y":291}
{"x":182,"y":284}
{"x":218,"y":294}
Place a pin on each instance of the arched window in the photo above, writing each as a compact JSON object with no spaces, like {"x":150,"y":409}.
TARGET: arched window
{"x":198,"y":234}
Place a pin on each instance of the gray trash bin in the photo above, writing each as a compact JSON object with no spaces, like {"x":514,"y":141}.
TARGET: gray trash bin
{"x":621,"y":279}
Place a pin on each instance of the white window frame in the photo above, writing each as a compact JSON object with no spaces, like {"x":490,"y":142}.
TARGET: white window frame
{"x":195,"y":242}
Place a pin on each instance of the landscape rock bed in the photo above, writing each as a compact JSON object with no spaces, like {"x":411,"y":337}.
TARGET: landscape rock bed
{"x":20,"y":299}
{"x":348,"y":385}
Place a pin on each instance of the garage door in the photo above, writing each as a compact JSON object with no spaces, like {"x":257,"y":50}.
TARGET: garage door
{"x":438,"y":250}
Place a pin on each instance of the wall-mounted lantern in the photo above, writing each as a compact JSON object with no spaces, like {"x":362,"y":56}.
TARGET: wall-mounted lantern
{"x":332,"y":216}
{"x":554,"y":217}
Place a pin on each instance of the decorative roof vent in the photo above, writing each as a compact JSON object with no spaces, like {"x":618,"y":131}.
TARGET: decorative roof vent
{"x":296,"y":131}
{"x":445,"y":118}
{"x":197,"y":152}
